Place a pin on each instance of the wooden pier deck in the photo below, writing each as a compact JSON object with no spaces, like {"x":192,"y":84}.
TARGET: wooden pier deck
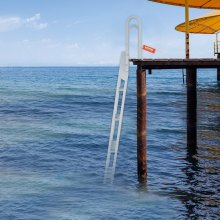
{"x":176,"y":63}
{"x":191,"y":66}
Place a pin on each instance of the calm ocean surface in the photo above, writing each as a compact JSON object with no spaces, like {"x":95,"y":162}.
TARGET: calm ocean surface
{"x":54,"y":129}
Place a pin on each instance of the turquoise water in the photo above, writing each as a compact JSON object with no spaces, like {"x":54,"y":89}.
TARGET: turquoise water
{"x":54,"y":129}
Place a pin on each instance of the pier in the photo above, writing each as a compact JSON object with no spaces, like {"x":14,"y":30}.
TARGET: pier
{"x":144,"y":65}
{"x":191,"y":66}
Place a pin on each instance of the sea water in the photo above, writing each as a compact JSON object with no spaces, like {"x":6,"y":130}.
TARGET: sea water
{"x":54,"y":129}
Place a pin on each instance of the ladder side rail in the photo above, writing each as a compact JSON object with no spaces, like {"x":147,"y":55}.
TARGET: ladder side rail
{"x":113,"y":122}
{"x":107,"y":166}
{"x":120,"y":123}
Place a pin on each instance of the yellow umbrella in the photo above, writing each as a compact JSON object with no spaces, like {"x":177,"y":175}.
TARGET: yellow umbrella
{"x":210,"y":4}
{"x":207,"y":24}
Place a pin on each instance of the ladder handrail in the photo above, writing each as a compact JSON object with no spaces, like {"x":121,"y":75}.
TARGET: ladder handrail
{"x":128,"y":27}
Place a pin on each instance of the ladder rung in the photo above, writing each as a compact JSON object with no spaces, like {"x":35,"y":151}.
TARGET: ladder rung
{"x":121,"y":89}
{"x":108,"y":173}
{"x":113,"y":146}
{"x":117,"y":117}
{"x":109,"y":170}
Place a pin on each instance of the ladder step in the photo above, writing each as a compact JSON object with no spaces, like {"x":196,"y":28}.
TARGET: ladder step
{"x":109,"y":170}
{"x":108,"y":173}
{"x":121,"y":89}
{"x":117,"y":117}
{"x":113,"y":146}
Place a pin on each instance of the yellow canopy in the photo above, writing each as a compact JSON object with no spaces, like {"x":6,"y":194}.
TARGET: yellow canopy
{"x":211,"y":4}
{"x":207,"y":24}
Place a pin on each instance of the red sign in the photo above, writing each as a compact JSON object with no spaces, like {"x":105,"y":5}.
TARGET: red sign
{"x":149,"y":49}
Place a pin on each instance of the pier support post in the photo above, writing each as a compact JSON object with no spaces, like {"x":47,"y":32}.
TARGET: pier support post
{"x":218,"y":69}
{"x":191,"y":76}
{"x":141,"y":125}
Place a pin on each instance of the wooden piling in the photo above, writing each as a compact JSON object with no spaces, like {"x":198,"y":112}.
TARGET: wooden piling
{"x":141,"y":125}
{"x":151,"y":64}
{"x":218,"y":69}
{"x":191,"y":75}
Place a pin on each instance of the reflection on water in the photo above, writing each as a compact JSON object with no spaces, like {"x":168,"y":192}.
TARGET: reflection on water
{"x":54,"y":127}
{"x":203,"y":161}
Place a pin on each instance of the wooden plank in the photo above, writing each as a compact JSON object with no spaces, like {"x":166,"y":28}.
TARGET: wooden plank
{"x":176,"y":63}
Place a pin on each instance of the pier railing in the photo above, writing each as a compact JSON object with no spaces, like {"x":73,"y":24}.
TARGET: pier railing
{"x":217,"y":47}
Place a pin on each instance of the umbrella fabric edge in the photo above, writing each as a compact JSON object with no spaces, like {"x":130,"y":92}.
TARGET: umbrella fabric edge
{"x":182,"y":5}
{"x":180,"y":27}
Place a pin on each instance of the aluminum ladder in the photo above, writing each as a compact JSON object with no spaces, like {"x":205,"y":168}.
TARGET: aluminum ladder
{"x":120,"y":95}
{"x":118,"y":111}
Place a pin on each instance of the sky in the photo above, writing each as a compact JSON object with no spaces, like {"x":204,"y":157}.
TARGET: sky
{"x":91,"y":32}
